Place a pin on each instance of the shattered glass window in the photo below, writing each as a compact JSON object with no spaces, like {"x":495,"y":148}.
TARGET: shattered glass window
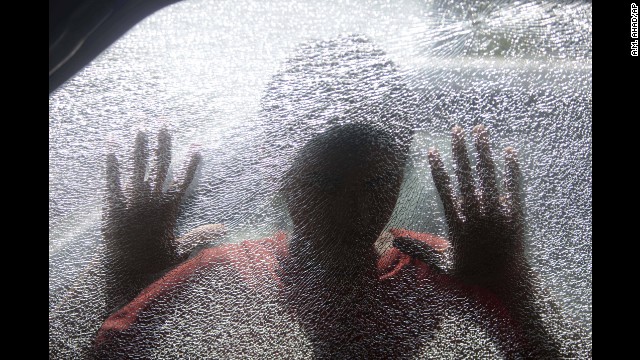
{"x":302,"y":179}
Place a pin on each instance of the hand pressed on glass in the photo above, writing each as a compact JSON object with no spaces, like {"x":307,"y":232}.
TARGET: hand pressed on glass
{"x":139,"y":221}
{"x":486,"y":232}
{"x":485,"y":229}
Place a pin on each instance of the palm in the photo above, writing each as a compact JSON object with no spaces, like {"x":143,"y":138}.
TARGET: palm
{"x":139,"y":221}
{"x":486,"y":230}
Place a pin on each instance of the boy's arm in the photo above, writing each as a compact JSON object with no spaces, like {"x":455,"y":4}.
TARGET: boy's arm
{"x":486,"y":231}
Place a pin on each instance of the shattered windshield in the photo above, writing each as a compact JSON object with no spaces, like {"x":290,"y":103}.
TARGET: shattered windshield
{"x":303,"y":179}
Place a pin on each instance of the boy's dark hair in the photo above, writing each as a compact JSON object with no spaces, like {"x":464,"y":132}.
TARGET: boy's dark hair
{"x":356,"y":141}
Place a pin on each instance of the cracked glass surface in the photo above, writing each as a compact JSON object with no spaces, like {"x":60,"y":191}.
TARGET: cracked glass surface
{"x":249,"y":85}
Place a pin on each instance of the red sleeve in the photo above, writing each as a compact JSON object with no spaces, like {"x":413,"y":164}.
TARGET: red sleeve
{"x":255,"y":262}
{"x":393,"y":261}
{"x":171,"y":283}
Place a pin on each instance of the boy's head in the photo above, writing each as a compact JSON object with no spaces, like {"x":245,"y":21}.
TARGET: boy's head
{"x":345,"y":182}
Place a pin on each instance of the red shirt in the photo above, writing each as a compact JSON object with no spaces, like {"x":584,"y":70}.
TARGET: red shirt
{"x":389,"y":316}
